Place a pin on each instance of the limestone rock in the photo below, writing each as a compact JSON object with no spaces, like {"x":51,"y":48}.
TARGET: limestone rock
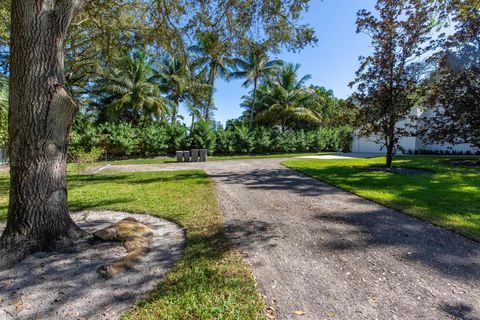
{"x":136,"y":238}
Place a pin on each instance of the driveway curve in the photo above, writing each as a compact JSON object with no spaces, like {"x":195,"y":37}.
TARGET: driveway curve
{"x":322,"y":253}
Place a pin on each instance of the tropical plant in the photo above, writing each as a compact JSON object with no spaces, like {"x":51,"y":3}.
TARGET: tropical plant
{"x":254,"y":67}
{"x":213,"y":58}
{"x":153,"y":139}
{"x":180,"y":83}
{"x":122,"y":138}
{"x":285,"y":99}
{"x":202,"y":136}
{"x":131,"y":89}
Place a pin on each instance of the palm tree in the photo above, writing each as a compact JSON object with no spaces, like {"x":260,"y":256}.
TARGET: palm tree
{"x":180,"y":83}
{"x":285,"y":98}
{"x":254,"y":67}
{"x":213,"y":58}
{"x":132,"y":88}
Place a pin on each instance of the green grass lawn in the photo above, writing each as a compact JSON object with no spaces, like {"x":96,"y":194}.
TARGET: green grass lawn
{"x":449,"y":198}
{"x":210,"y":158}
{"x":211,"y":281}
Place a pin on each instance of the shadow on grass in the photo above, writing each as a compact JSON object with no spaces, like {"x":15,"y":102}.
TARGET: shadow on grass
{"x":448,"y":198}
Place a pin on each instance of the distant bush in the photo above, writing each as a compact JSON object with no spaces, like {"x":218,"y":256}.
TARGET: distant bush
{"x":122,"y":139}
{"x":155,"y":138}
{"x":224,"y":141}
{"x":177,"y":138}
{"x":202,"y":136}
{"x":82,"y":158}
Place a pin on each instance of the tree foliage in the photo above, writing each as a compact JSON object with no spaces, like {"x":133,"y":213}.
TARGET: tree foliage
{"x":254,"y":67}
{"x":454,"y":88}
{"x":285,"y":99}
{"x":387,"y":79}
{"x":129,"y":91}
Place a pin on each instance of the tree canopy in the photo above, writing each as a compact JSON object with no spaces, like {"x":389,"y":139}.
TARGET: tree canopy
{"x":386,"y":82}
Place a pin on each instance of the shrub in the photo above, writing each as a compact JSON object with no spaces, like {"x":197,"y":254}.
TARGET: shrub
{"x":81,"y":158}
{"x":243,"y":140}
{"x":85,"y":136}
{"x":301,"y":142}
{"x":154,"y":139}
{"x":262,"y":140}
{"x":202,"y":136}
{"x":224,"y":141}
{"x":122,"y":139}
{"x":177,"y":138}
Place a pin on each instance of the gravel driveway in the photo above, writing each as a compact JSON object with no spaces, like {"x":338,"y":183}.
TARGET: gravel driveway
{"x":329,"y":254}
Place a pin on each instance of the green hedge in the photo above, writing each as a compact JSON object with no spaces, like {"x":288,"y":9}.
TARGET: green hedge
{"x":154,"y":139}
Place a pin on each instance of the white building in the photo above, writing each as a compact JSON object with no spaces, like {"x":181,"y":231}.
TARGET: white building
{"x":409,"y":144}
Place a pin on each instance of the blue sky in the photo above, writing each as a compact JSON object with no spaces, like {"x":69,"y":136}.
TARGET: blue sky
{"x":332,"y":62}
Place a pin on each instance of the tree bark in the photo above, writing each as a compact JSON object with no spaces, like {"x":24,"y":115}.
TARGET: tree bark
{"x":40,"y":116}
{"x":175,"y":111}
{"x":211,"y":82}
{"x":390,"y":145}
{"x":252,"y":108}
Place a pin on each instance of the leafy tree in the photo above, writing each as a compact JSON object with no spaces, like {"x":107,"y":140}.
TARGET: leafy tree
{"x":254,"y":67}
{"x":214,"y":56}
{"x":132,"y":89}
{"x":41,"y":110}
{"x":454,"y":93}
{"x":285,"y":99}
{"x":387,"y":79}
{"x":180,"y":83}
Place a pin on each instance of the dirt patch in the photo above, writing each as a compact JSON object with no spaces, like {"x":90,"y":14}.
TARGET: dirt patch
{"x":474,"y":163}
{"x":396,"y":170}
{"x":67,"y":285}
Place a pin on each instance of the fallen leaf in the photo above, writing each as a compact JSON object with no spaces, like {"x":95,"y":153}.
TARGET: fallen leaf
{"x":19,"y":307}
{"x":299,"y":313}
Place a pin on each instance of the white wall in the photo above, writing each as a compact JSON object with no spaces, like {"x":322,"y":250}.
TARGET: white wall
{"x":408,"y":143}
{"x":369,"y":145}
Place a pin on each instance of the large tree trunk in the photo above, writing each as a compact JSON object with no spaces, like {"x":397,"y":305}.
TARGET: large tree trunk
{"x":252,"y":108}
{"x":40,"y":116}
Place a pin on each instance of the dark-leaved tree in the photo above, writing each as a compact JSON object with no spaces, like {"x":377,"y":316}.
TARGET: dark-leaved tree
{"x":454,"y":94}
{"x":387,"y":79}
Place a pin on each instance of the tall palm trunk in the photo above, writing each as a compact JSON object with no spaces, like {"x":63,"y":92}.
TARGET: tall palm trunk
{"x":175,"y":111}
{"x":193,"y":121}
{"x":252,"y":108}
{"x":211,"y":82}
{"x":40,"y":117}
